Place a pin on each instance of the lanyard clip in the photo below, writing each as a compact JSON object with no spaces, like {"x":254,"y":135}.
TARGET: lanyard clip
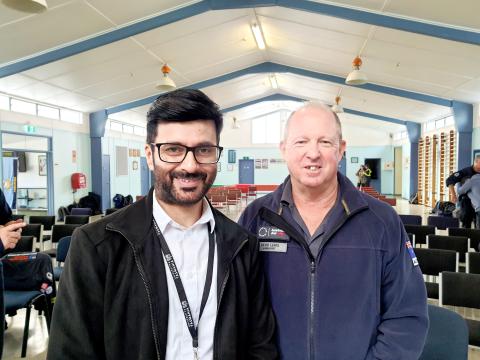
{"x":195,"y":353}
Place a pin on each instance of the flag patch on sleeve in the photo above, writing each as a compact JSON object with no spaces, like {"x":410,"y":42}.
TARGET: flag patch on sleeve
{"x":411,"y":253}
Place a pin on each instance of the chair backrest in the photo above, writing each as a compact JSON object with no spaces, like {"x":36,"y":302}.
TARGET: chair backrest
{"x":25,"y":244}
{"x":29,"y":272}
{"x":459,"y":289}
{"x":473,"y":262}
{"x":442,"y":222}
{"x":60,"y":231}
{"x":62,"y":248}
{"x":411,"y":219}
{"x":420,"y":232}
{"x":77,"y":219}
{"x":434,"y":261}
{"x":81,"y":211}
{"x":46,"y":221}
{"x":35,"y":230}
{"x":447,"y":336}
{"x":472,"y":234}
{"x":110,"y":211}
{"x":455,"y":243}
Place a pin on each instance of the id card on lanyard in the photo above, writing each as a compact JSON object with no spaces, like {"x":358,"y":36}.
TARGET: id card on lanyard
{"x":187,"y":312}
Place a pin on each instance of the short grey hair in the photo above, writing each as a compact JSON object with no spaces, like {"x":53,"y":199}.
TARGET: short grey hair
{"x":318,"y":105}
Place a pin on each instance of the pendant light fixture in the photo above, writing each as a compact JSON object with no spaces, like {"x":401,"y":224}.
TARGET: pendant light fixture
{"x":166,"y":83}
{"x":337,"y":108}
{"x":356,"y":77}
{"x":28,"y":6}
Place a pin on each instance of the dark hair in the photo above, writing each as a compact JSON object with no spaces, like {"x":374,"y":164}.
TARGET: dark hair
{"x":182,"y":105}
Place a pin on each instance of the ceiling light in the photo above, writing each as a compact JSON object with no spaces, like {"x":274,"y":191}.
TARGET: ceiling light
{"x":356,"y":77}
{"x":257,"y":33}
{"x":166,"y":83}
{"x":337,"y":108}
{"x":29,"y":6}
{"x":273,"y":81}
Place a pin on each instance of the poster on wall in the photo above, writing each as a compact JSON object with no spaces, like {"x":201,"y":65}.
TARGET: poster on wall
{"x":264,"y":163}
{"x":258,"y":163}
{"x":42,"y":165}
{"x":9,"y":181}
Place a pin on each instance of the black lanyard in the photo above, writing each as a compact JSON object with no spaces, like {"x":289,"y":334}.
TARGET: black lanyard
{"x":187,"y":312}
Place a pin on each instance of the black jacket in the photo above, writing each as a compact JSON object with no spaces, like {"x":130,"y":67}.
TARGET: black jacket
{"x":113,"y":302}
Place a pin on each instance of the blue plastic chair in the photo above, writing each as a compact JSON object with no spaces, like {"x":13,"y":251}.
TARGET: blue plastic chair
{"x":62,"y":251}
{"x":447,"y":336}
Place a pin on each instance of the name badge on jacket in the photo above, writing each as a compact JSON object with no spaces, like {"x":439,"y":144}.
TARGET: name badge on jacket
{"x":267,"y":233}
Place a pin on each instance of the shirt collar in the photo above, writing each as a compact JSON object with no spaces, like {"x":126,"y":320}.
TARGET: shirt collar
{"x":163,"y":220}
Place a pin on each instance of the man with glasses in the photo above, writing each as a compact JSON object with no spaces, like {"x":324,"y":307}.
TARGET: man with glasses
{"x":343,"y":278}
{"x":168,"y":277}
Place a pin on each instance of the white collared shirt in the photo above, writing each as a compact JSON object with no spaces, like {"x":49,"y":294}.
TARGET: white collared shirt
{"x":189,"y":248}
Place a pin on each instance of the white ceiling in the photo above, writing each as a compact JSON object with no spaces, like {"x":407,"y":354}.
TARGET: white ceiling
{"x":220,"y":42}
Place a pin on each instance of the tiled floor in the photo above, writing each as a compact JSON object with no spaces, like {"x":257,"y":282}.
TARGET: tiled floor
{"x":38,"y":339}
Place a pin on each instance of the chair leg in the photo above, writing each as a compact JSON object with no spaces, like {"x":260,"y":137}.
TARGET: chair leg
{"x":48,"y":315}
{"x":25,"y":331}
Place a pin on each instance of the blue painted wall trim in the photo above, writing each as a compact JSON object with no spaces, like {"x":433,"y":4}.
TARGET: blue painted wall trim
{"x":463,"y":115}
{"x":364,"y":16}
{"x":96,"y":163}
{"x":414,"y":131}
{"x":104,"y":38}
{"x":269,"y":67}
{"x":387,"y":21}
{"x":98,"y":121}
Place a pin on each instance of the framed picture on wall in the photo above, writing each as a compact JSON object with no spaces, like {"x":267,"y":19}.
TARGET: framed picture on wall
{"x":135,"y":165}
{"x":42,"y":165}
{"x":354,"y":160}
{"x":476,"y":153}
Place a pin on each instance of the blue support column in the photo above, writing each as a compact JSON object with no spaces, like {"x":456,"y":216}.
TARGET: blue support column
{"x":97,"y":131}
{"x":414,"y":131}
{"x":463,"y":115}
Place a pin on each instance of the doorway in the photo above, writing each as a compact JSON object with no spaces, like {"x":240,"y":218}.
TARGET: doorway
{"x":246,"y":172}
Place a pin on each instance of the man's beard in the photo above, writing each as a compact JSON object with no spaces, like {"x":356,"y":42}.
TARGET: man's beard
{"x":169,"y":194}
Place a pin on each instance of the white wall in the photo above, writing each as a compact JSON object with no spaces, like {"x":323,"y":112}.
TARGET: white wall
{"x":66,"y":137}
{"x":31,"y":178}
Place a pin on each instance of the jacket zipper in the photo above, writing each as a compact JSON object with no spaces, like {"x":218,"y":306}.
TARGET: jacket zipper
{"x":147,"y":288}
{"x":312,"y":306}
{"x":224,"y":284}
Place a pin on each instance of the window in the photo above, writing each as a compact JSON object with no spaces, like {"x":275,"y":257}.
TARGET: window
{"x":23,"y":107}
{"x":4,"y":102}
{"x":127,"y":129}
{"x":430,"y":126}
{"x":267,"y":130}
{"x":48,"y":112}
{"x":440,"y":123}
{"x":116,"y":126}
{"x":137,"y":130}
{"x":71,"y":116}
{"x":449,"y":121}
{"x":397,"y":136}
{"x":403,"y":135}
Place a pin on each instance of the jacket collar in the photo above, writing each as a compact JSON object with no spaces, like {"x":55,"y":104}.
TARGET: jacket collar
{"x":352,"y":199}
{"x":135,"y":223}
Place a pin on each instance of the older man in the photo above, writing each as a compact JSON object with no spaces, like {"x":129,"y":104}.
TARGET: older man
{"x":343,"y":278}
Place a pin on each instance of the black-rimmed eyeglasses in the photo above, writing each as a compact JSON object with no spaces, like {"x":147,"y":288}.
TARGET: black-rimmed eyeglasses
{"x":176,"y":153}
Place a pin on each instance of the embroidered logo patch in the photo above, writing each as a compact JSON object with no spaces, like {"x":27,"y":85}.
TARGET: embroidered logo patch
{"x":412,"y":253}
{"x":271,"y":232}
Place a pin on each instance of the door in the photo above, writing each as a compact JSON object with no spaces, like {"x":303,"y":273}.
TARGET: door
{"x":144,"y":176}
{"x":398,"y":171}
{"x":106,"y":196}
{"x":376,"y":175}
{"x":245,"y":172}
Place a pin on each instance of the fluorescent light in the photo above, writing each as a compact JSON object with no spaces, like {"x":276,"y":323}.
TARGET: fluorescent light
{"x":257,"y":33}
{"x":28,"y":6}
{"x":273,"y":81}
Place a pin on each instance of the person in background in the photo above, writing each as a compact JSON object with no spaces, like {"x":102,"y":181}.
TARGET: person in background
{"x":167,"y":277}
{"x":471,"y":188}
{"x":344,"y":280}
{"x":466,"y":209}
{"x":10,"y":231}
